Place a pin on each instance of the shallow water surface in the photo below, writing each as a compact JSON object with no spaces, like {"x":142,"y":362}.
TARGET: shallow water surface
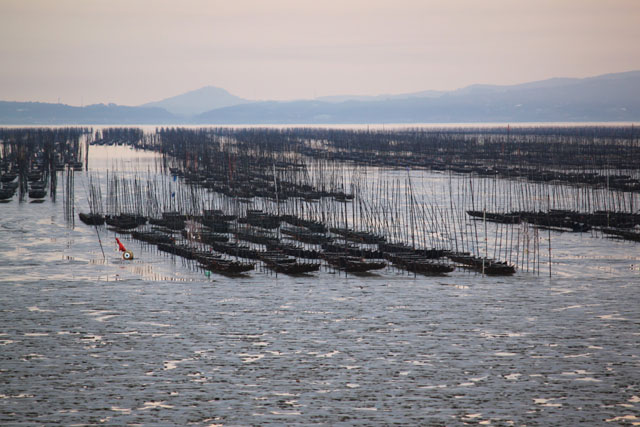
{"x":91,"y":340}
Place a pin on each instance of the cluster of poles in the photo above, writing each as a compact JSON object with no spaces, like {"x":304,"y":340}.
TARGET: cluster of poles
{"x":423,"y":200}
{"x":421,"y":190}
{"x":30,"y":159}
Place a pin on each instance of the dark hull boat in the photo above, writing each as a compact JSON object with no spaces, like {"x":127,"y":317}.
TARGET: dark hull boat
{"x":10,"y":185}
{"x":256,"y":237}
{"x":496,"y":217}
{"x":170,"y":220}
{"x":170,"y":223}
{"x":483,"y":265}
{"x":623,"y":234}
{"x":6,"y":193}
{"x":235,"y":249}
{"x":217,"y":226}
{"x":352,"y":250}
{"x":395,"y":248}
{"x":182,"y":250}
{"x":204,"y":236}
{"x":260,"y":219}
{"x":358,"y":236}
{"x":352,"y":264}
{"x":217,"y":215}
{"x":288,"y":265}
{"x":316,"y":227}
{"x":125,"y":221}
{"x":91,"y":219}
{"x":8,"y":177}
{"x":220,"y":265}
{"x":417,"y":264}
{"x":153,"y":237}
{"x":305,"y":236}
{"x":37,"y":193}
{"x":295,"y":251}
{"x":558,"y":220}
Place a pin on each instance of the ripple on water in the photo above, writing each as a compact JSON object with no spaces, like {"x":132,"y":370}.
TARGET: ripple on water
{"x":173,"y":364}
{"x":34,"y":308}
{"x":316,"y":351}
{"x":624,"y":418}
{"x":154,"y":405}
{"x":547,"y":402}
{"x":250,"y":358}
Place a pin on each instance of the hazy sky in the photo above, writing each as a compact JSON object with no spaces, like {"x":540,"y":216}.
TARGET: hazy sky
{"x":130,"y":52}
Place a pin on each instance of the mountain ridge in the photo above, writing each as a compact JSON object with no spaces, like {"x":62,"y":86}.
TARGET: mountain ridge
{"x":607,"y":97}
{"x":610,"y":97}
{"x":197,"y":101}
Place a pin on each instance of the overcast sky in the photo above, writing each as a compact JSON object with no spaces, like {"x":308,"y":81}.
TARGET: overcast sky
{"x":130,"y":52}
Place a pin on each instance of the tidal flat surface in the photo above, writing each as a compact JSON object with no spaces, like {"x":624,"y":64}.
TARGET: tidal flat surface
{"x":92,"y":340}
{"x":154,"y":341}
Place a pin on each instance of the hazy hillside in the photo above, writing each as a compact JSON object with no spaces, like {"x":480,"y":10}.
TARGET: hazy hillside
{"x":343,"y":98}
{"x":197,"y":101}
{"x":40,"y":113}
{"x":610,"y":97}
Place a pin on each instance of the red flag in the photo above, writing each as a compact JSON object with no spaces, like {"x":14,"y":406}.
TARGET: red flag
{"x":120,"y":245}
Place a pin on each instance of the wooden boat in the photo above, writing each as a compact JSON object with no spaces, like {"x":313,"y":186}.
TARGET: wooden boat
{"x":256,"y":237}
{"x":204,"y":236}
{"x":352,"y":250}
{"x":216,"y":225}
{"x":8,"y":177}
{"x":220,"y":265}
{"x":305,"y":236}
{"x":6,"y":193}
{"x":13,"y":185}
{"x":623,"y":234}
{"x":180,"y":249}
{"x":496,"y":217}
{"x":37,"y":185}
{"x":483,"y":265}
{"x":286,"y":264}
{"x":37,"y":193}
{"x":218,"y":216}
{"x":125,"y":221}
{"x":235,"y":249}
{"x":170,"y":223}
{"x":153,"y":237}
{"x":499,"y":268}
{"x":295,"y":251}
{"x":352,"y":264}
{"x":315,"y":226}
{"x":91,"y":219}
{"x":170,"y":220}
{"x":260,"y":219}
{"x":34,"y":176}
{"x":358,"y":236}
{"x":417,"y":264}
{"x":392,"y":248}
{"x":557,"y":220}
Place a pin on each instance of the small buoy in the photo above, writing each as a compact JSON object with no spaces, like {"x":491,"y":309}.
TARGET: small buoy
{"x":128,"y":255}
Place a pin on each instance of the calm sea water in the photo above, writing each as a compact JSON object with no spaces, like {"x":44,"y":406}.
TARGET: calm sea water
{"x":92,"y":340}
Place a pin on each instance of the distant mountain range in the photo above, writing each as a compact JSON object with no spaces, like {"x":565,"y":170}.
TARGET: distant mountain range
{"x":198,"y":101}
{"x":609,"y":97}
{"x":40,"y":113}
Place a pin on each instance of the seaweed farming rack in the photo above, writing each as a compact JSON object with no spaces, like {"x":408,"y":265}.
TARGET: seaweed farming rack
{"x":295,"y":200}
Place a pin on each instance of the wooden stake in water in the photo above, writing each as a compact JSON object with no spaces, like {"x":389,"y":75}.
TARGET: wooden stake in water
{"x":549,"y":228}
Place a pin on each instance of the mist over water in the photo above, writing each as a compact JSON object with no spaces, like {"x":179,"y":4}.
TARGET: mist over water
{"x":93,"y":339}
